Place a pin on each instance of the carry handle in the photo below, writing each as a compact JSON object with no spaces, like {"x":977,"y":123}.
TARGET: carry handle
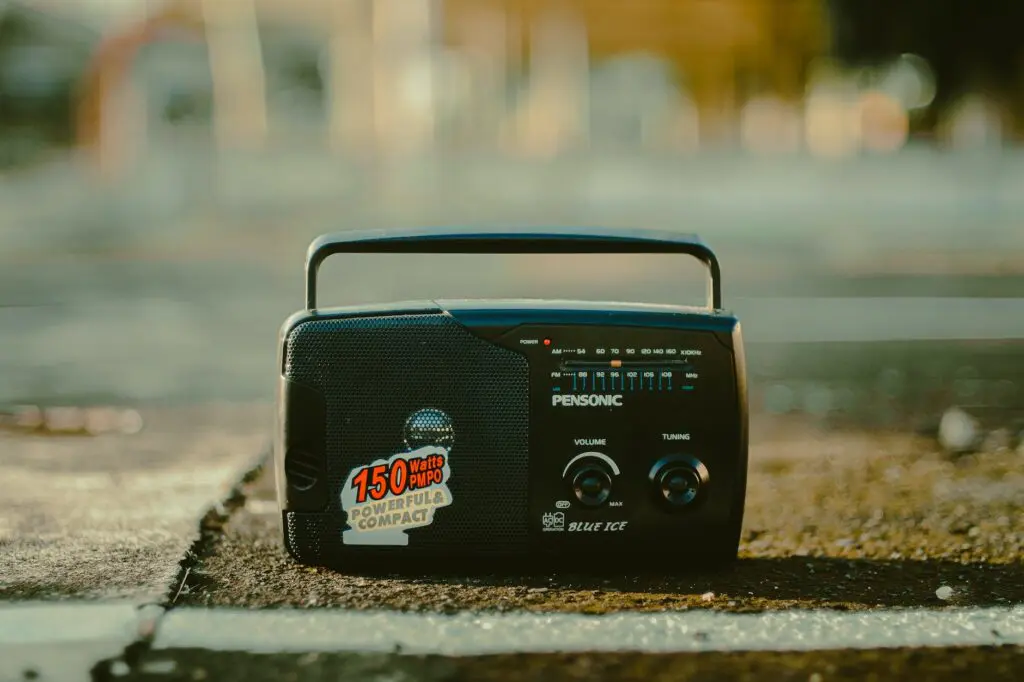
{"x":574,"y":240}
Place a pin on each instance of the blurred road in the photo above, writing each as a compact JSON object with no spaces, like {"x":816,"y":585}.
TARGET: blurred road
{"x":172,"y":286}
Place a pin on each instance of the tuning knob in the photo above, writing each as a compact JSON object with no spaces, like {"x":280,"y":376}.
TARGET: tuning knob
{"x":678,"y":482}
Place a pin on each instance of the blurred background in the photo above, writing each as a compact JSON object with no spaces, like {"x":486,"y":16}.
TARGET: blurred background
{"x":856,"y":163}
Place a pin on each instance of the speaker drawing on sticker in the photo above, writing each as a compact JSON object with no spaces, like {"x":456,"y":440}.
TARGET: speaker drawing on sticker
{"x":390,"y":496}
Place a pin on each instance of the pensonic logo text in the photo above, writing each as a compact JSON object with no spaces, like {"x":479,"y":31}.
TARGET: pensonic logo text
{"x":587,"y":400}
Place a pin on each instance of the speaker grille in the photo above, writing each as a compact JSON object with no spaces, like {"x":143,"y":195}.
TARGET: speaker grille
{"x":375,"y":372}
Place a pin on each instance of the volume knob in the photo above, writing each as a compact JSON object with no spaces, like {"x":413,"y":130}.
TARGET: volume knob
{"x":592,"y":484}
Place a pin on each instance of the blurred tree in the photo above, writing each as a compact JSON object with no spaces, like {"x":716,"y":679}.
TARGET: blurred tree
{"x":972,"y":46}
{"x":364,"y":71}
{"x":40,"y":61}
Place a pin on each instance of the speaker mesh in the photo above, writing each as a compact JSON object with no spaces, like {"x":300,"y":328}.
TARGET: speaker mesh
{"x":375,"y":372}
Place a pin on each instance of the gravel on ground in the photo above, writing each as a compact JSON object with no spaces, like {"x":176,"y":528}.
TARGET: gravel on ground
{"x":835,"y":519}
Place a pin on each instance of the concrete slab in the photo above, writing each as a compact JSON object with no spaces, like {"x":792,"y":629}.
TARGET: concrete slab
{"x":112,"y":516}
{"x":465,"y":634}
{"x":49,"y":642}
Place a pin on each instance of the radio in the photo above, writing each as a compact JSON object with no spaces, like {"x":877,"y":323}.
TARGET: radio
{"x":512,"y":432}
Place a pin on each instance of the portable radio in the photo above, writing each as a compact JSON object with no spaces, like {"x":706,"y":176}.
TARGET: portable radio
{"x":542,"y":433}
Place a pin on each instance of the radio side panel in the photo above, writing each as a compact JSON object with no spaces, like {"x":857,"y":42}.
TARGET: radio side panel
{"x":737,"y":348}
{"x":402,"y":435}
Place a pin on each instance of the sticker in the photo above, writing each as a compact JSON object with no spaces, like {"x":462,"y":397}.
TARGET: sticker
{"x":389,"y":497}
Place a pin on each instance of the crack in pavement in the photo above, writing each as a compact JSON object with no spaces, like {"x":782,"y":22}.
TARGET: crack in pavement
{"x":151,"y":616}
{"x":94,"y":528}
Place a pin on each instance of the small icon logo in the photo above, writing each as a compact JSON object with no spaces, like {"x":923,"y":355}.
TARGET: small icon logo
{"x":553,"y":521}
{"x":562,"y":504}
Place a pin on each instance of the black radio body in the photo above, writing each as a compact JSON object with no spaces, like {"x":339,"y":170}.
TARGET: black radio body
{"x":532,"y":434}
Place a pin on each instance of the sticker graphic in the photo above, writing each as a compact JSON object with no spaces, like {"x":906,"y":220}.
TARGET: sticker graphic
{"x":553,"y":521}
{"x":389,"y":497}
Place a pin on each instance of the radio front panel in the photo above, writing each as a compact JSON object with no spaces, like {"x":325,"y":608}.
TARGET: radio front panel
{"x":635,"y":432}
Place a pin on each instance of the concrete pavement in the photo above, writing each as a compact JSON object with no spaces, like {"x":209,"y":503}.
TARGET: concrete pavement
{"x":94,"y":530}
{"x":112,"y":516}
{"x":163,"y":303}
{"x":473,"y":634}
{"x":62,"y":641}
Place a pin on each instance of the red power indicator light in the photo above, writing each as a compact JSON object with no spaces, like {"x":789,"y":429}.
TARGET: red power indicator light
{"x":547,"y":342}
